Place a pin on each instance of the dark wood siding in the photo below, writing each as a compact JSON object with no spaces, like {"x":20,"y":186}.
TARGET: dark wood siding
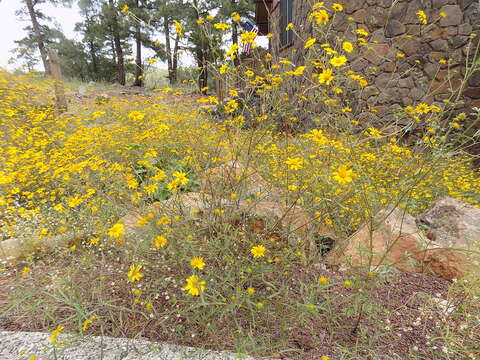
{"x":286,"y":17}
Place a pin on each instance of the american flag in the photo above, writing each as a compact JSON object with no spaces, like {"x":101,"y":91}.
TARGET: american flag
{"x":247,"y":46}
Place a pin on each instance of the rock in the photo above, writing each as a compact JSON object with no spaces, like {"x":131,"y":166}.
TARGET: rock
{"x":473,"y":92}
{"x":465,"y":29}
{"x":366,"y":117}
{"x":385,"y":3}
{"x":451,"y":31}
{"x":290,"y":222}
{"x":475,"y":79}
{"x":417,"y":93}
{"x":15,"y":249}
{"x":431,"y":69}
{"x":395,"y":240}
{"x":378,"y":36}
{"x":385,"y":80}
{"x":475,"y":103}
{"x":439,"y":45}
{"x":360,"y":16}
{"x":458,"y":41}
{"x":394,"y":28}
{"x":437,"y":32}
{"x":406,"y":83}
{"x":208,"y":108}
{"x":262,"y":218}
{"x":413,"y":30}
{"x":353,"y":5}
{"x":75,"y":347}
{"x":82,"y":90}
{"x":388,"y":67}
{"x":359,"y":64}
{"x":409,"y":46}
{"x":437,"y":4}
{"x":190,"y":204}
{"x":411,"y":16}
{"x":377,"y":17}
{"x":233,"y":177}
{"x":376,"y":53}
{"x":444,"y":87}
{"x":11,"y":250}
{"x":398,"y":11}
{"x":452,"y":223}
{"x":454,"y":15}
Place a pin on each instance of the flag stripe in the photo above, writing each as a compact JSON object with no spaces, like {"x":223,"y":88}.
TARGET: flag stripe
{"x":247,"y":47}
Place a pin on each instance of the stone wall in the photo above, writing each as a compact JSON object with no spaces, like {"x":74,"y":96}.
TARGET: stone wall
{"x":421,"y":75}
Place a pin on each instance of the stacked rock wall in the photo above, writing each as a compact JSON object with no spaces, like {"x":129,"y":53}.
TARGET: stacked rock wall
{"x":405,"y":62}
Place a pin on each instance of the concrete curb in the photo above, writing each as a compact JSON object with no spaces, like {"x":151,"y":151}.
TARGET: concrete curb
{"x":21,"y":345}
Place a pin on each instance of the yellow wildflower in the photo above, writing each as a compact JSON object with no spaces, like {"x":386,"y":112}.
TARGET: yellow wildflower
{"x":326,"y":77}
{"x":194,"y":286}
{"x":338,"y":60}
{"x":160,"y":241}
{"x":422,"y":17}
{"x":347,"y":46}
{"x":343,"y":175}
{"x":197,"y":262}
{"x":134,"y":274}
{"x":258,"y":251}
{"x":309,"y":43}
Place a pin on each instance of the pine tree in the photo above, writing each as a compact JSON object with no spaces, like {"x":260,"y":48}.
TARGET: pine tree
{"x":37,"y":32}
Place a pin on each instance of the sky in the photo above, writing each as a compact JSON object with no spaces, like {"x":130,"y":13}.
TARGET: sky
{"x":11,"y":27}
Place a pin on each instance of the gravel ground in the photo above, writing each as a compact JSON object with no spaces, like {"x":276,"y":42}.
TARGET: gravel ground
{"x":22,"y":345}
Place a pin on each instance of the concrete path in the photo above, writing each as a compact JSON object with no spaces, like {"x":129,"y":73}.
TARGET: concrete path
{"x":22,"y":345}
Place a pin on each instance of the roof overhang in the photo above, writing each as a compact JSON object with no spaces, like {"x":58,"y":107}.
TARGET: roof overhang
{"x":262,"y":10}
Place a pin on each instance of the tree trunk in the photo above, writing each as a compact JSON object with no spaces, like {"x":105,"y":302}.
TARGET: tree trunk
{"x":236,"y":61}
{"x":118,"y":45}
{"x":39,"y":36}
{"x":175,"y":61}
{"x":94,"y":60}
{"x":138,"y":59}
{"x":203,"y":76}
{"x":168,"y":48}
{"x":61,"y":101}
{"x":201,"y":55}
{"x":112,"y":45}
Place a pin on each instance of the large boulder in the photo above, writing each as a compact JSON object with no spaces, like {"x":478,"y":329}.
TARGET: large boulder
{"x":233,"y":177}
{"x":15,"y":249}
{"x":452,"y":224}
{"x":258,"y":218}
{"x":393,"y":239}
{"x":185,"y":204}
{"x":290,"y":222}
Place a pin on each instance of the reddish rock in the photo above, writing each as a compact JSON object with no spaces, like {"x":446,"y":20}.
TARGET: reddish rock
{"x":473,"y":92}
{"x":438,"y":33}
{"x":394,"y":240}
{"x":290,"y":222}
{"x":360,"y":16}
{"x":233,"y":177}
{"x":376,"y":53}
{"x":409,"y":46}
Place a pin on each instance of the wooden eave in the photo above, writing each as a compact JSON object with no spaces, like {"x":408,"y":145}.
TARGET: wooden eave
{"x":262,"y":10}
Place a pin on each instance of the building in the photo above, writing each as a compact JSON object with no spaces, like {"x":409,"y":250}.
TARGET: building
{"x":405,"y":61}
